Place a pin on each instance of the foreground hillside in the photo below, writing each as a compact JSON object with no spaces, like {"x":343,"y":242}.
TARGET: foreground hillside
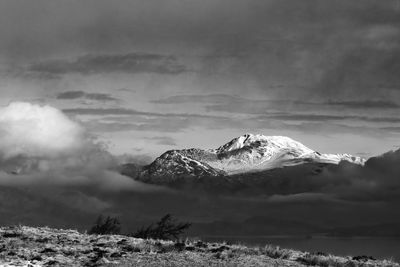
{"x":28,"y":246}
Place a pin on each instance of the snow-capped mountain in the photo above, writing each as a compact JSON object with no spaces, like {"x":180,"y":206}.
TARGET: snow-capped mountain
{"x":246,"y":153}
{"x":259,"y":152}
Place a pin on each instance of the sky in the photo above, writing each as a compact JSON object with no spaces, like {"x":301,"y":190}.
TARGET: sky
{"x":148,"y":76}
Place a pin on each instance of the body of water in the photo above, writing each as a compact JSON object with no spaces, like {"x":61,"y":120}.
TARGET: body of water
{"x":380,"y":248}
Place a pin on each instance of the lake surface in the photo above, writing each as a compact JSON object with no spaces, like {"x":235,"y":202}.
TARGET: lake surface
{"x":380,"y":248}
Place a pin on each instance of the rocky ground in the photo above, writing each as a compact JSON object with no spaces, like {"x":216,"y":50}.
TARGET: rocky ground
{"x":29,"y":246}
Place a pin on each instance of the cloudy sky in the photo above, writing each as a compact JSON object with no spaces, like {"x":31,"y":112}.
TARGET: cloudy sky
{"x":147,"y":76}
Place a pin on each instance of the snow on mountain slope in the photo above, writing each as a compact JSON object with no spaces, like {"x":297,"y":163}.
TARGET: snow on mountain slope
{"x":245,"y":153}
{"x":271,"y":143}
{"x":336,"y":158}
{"x":259,"y":152}
{"x":252,"y":152}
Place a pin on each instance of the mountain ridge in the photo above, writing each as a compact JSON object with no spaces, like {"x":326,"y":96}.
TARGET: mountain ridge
{"x":248,"y":153}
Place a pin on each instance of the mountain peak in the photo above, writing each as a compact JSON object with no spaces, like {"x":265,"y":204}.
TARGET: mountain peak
{"x":271,"y":143}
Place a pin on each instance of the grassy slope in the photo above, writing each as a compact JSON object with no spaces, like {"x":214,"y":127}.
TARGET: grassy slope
{"x":21,"y":246}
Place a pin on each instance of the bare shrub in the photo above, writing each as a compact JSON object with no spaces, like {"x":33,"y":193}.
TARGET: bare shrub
{"x":167,"y":228}
{"x":106,"y":226}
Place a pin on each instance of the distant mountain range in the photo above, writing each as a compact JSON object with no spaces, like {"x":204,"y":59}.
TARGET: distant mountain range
{"x":247,"y":155}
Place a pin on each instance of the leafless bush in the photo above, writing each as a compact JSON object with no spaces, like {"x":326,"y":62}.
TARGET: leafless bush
{"x":106,"y":226}
{"x":167,"y":228}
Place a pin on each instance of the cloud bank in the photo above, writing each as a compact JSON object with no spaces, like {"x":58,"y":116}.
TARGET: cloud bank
{"x":94,"y":64}
{"x":42,"y":146}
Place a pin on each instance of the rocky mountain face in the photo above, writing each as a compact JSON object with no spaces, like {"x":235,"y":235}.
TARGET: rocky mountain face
{"x":177,"y":164}
{"x":245,"y":154}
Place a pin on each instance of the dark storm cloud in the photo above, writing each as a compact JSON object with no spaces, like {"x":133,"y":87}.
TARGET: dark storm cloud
{"x":163,"y":140}
{"x":263,"y":106}
{"x":361,"y":68}
{"x":364,"y":104}
{"x":306,"y":117}
{"x":129,"y":63}
{"x":377,"y":181}
{"x":237,"y":104}
{"x":212,"y":98}
{"x":225,"y":99}
{"x":178,"y":123}
{"x":392,"y":129}
{"x":301,"y":198}
{"x":313,"y":50}
{"x":157,"y":125}
{"x":124,"y":111}
{"x":327,"y":128}
{"x":303,"y":53}
{"x":319,"y":117}
{"x":382,"y":119}
{"x":70,"y":95}
{"x":300,"y":109}
{"x":103,"y":111}
{"x":296,"y":110}
{"x":160,"y":123}
{"x":224,"y":103}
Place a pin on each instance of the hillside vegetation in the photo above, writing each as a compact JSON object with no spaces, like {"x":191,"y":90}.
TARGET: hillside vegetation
{"x":29,"y":246}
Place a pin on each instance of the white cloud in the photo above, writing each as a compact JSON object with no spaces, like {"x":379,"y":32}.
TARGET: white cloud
{"x":38,"y":131}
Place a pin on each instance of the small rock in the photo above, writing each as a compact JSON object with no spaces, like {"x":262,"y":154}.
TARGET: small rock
{"x":115,"y":255}
{"x":48,"y":250}
{"x":122,"y":241}
{"x":36,"y":258}
{"x":11,"y":253}
{"x":190,"y":248}
{"x":43,"y":240}
{"x":131,"y":249}
{"x":51,"y":262}
{"x":11,"y":234}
